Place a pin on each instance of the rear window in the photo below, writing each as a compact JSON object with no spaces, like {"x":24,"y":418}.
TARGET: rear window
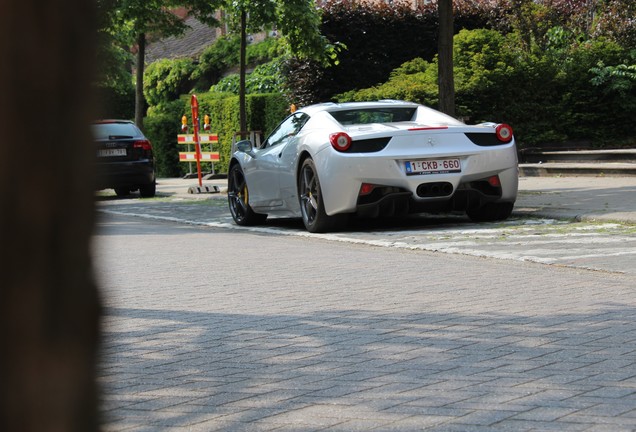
{"x":111,"y":130}
{"x":374,"y":115}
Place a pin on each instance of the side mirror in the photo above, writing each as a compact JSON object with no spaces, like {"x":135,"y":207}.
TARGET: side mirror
{"x":244,"y":146}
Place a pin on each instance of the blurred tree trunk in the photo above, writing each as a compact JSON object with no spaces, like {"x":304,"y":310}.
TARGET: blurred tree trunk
{"x":49,"y":304}
{"x":446,"y":79}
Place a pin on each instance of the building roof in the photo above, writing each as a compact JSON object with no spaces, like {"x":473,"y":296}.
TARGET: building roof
{"x":189,"y":45}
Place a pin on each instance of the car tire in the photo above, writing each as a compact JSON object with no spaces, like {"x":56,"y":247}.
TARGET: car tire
{"x":491,"y":212}
{"x":312,"y":206}
{"x":148,"y":191}
{"x":238,"y":199}
{"x":122,"y":192}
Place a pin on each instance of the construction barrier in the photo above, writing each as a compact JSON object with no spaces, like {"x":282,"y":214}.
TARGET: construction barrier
{"x":207,"y":155}
{"x":196,"y":140}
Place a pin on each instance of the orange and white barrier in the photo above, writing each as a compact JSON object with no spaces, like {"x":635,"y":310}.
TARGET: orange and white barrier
{"x":205,"y":157}
{"x":203,"y":139}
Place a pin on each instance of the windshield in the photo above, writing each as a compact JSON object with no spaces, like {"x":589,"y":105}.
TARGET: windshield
{"x":287,"y":129}
{"x":107,"y":130}
{"x":374,"y":115}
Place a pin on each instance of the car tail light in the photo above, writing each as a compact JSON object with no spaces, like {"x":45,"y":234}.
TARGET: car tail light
{"x":504,"y":133}
{"x":494,"y":181}
{"x":421,"y":128}
{"x":340,"y":141}
{"x":366,"y":189}
{"x":142,"y":144}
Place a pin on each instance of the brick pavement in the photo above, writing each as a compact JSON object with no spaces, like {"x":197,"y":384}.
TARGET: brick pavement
{"x":296,"y":334}
{"x":583,"y":198}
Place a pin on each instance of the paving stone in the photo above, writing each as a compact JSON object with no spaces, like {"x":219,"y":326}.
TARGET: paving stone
{"x":199,"y":339}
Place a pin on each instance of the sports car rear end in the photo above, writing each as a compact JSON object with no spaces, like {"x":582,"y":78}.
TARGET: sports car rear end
{"x":430,"y":163}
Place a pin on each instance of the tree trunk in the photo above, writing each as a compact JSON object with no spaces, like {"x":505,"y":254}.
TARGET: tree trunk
{"x":48,"y":299}
{"x":140,"y":100}
{"x":243,"y":66}
{"x":445,"y":66}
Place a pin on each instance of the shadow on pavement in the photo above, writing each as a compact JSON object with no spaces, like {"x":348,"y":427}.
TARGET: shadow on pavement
{"x":435,"y":368}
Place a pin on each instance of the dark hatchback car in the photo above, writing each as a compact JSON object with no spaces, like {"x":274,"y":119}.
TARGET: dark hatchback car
{"x":125,"y":161}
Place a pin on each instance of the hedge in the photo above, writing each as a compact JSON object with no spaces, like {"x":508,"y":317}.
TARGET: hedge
{"x":115,"y":103}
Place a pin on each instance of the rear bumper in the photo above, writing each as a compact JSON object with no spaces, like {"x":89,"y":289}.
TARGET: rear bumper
{"x":129,"y":175}
{"x":391,"y":201}
{"x":343,"y":175}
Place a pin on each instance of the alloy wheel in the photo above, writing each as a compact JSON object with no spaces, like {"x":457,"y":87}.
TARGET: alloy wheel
{"x":309,"y":193}
{"x":238,"y":195}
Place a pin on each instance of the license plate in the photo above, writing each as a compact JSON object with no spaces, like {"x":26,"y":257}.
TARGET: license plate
{"x":111,"y":152}
{"x":433,"y":166}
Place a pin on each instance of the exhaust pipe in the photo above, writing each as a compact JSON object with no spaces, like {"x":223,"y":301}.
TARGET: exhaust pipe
{"x":437,"y":189}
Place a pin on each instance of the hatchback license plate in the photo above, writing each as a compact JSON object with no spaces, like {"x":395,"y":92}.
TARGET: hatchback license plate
{"x":433,"y":166}
{"x":111,"y":152}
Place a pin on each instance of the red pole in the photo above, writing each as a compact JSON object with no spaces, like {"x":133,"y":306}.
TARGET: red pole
{"x":194,"y":102}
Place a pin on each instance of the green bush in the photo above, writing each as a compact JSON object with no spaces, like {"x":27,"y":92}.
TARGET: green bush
{"x":223,"y":55}
{"x":619,"y":79}
{"x":215,"y":60}
{"x":415,"y":81}
{"x":597,"y":113}
{"x":115,"y":103}
{"x":162,"y":125}
{"x":547,"y":95}
{"x":265,"y":51}
{"x":165,"y":80}
{"x":496,"y":81}
{"x":266,"y":78}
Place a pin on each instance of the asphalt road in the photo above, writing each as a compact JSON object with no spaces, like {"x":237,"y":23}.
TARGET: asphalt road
{"x":208,"y":327}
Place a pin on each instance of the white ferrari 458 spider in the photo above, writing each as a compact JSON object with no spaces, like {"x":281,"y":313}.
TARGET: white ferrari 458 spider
{"x":330,"y":161}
